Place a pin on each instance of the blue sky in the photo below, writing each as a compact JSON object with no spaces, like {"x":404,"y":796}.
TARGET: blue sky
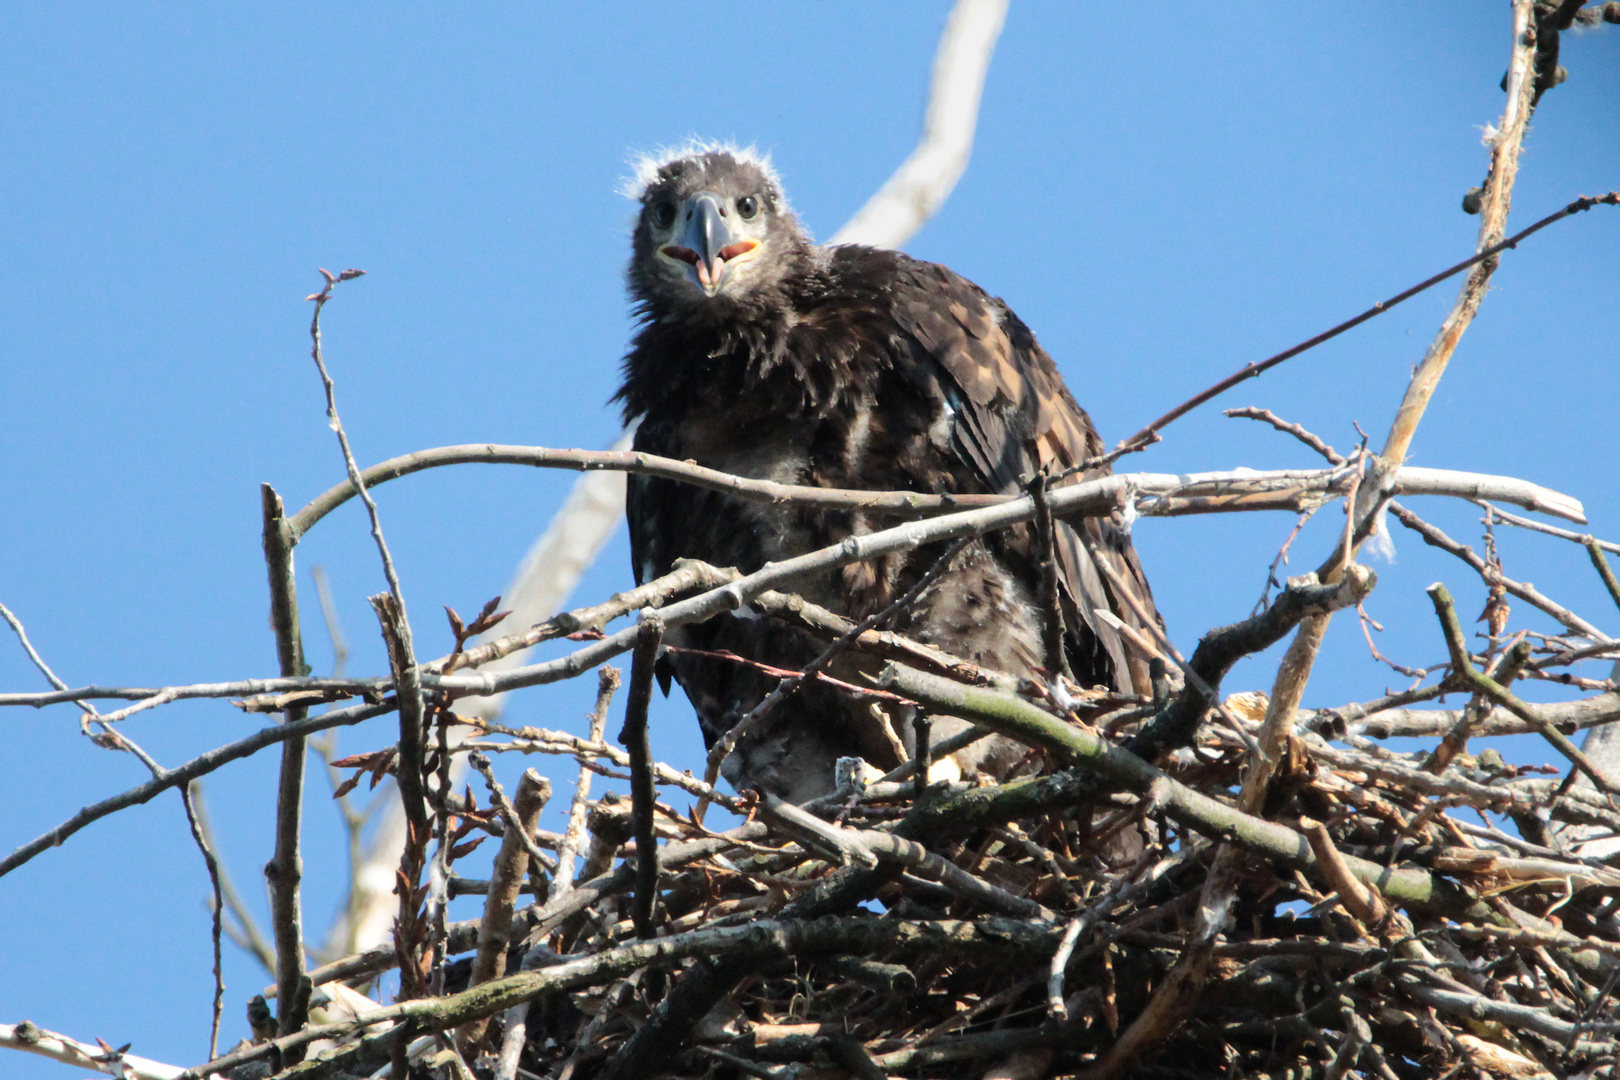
{"x":1161,"y":201}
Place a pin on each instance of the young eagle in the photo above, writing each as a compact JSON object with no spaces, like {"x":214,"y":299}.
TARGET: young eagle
{"x":763,"y":355}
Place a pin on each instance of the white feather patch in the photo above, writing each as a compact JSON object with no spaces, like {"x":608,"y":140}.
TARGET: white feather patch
{"x":1381,"y":543}
{"x":1127,"y":515}
{"x":644,"y":167}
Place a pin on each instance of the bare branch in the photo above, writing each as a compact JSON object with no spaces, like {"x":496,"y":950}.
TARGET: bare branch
{"x":1485,"y":257}
{"x":1550,"y":530}
{"x":201,"y":838}
{"x":871,"y":847}
{"x":511,"y":864}
{"x":1159,"y":494}
{"x":515,"y":1026}
{"x":32,"y":1039}
{"x":1528,"y":593}
{"x":1025,"y":722}
{"x":1298,"y":432}
{"x":246,"y":934}
{"x":1463,"y":667}
{"x":285,"y":870}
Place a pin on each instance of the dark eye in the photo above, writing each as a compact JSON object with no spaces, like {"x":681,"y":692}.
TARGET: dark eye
{"x":747,"y":207}
{"x":663,"y":215}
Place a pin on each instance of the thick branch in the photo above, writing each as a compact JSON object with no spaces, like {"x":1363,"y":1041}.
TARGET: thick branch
{"x":1294,"y":672}
{"x":506,"y":878}
{"x":1399,"y":723}
{"x":1483,"y":684}
{"x":33,"y":1039}
{"x":1018,"y":719}
{"x":286,"y":867}
{"x":1224,"y":646}
{"x":761,"y":941}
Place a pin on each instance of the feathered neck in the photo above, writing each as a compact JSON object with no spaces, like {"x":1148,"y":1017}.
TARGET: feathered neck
{"x":721,"y":346}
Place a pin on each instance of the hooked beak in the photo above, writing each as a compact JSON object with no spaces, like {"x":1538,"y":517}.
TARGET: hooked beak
{"x":708,"y":245}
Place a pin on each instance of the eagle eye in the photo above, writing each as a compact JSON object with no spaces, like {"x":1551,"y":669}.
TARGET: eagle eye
{"x":663,"y":215}
{"x":747,"y":207}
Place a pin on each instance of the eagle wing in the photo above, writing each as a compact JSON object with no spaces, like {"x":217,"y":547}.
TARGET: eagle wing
{"x":1012,"y":416}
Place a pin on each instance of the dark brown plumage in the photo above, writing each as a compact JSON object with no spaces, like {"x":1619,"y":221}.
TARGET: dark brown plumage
{"x":763,"y":355}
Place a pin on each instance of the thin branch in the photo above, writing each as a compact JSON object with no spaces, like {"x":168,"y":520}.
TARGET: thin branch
{"x":201,"y":838}
{"x":1254,"y":370}
{"x":1313,"y":441}
{"x":200,"y":765}
{"x":868,"y":847}
{"x":1168,"y":487}
{"x":391,"y":610}
{"x":1220,"y":649}
{"x":334,"y":629}
{"x":246,"y":934}
{"x":1125,"y":888}
{"x":409,"y":778}
{"x":574,"y":833}
{"x":510,"y":817}
{"x":1579,"y":805}
{"x":1455,"y":741}
{"x":1434,"y":537}
{"x":1497,"y":198}
{"x":111,"y":739}
{"x":1358,"y":897}
{"x":1055,"y":656}
{"x":1550,"y":530}
{"x":586,"y":751}
{"x":33,"y":655}
{"x":1600,"y":563}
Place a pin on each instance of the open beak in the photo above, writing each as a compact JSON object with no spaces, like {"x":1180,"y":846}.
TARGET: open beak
{"x":708,"y":245}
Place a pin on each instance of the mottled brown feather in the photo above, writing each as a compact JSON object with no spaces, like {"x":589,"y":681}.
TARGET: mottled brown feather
{"x":856,"y":368}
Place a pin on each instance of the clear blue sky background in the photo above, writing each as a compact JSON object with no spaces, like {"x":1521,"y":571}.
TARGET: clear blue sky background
{"x":1162,"y":199}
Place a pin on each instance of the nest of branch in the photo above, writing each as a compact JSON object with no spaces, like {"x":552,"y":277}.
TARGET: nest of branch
{"x":1111,"y":910}
{"x":1176,"y":955}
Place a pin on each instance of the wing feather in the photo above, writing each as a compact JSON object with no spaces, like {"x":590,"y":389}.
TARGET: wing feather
{"x":1013,"y":416}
